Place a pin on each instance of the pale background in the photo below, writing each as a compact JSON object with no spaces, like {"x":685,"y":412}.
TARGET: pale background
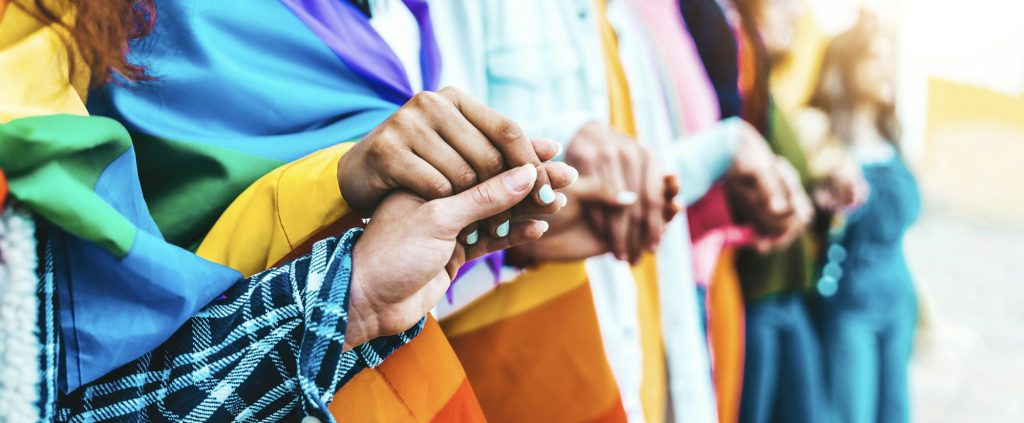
{"x":962,"y":107}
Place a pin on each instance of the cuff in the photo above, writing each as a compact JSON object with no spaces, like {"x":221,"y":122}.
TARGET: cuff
{"x":702,"y":158}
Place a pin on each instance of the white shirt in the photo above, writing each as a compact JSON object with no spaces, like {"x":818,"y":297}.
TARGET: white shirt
{"x":398,"y":27}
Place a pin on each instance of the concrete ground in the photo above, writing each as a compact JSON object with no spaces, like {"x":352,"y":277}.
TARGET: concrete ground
{"x":969,"y":361}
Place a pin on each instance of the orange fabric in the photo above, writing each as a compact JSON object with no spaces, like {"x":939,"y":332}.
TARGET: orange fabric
{"x":3,"y":180}
{"x":416,"y":384}
{"x":654,"y":388}
{"x":546,"y":363}
{"x":463,"y":407}
{"x":726,"y":335}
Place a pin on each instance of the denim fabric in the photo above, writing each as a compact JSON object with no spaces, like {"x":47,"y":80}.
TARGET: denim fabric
{"x":782,"y":374}
{"x":867,"y":327}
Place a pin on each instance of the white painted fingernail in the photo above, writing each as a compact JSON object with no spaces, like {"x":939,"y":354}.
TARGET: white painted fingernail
{"x":546,"y":194}
{"x":558,"y":152}
{"x":503,"y":228}
{"x":544,"y":226}
{"x":626,"y":197}
{"x":472,"y":238}
{"x":562,"y":200}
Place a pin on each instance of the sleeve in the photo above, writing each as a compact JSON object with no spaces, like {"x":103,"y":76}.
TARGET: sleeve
{"x":701,"y":159}
{"x":278,"y":213}
{"x":279,"y":334}
{"x":463,"y":39}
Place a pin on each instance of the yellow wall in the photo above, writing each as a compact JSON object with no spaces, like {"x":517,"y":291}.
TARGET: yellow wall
{"x":974,"y":151}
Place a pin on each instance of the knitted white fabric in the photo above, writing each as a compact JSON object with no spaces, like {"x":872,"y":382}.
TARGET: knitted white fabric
{"x":19,"y":348}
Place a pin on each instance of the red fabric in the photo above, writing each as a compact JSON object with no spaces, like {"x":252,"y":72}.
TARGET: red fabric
{"x":712,"y":230}
{"x":3,"y":190}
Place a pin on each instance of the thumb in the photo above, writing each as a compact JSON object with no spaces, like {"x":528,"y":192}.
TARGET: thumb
{"x":487,"y":199}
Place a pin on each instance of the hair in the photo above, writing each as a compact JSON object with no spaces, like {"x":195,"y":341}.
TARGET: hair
{"x":837,"y":91}
{"x":100,"y":33}
{"x":757,"y":102}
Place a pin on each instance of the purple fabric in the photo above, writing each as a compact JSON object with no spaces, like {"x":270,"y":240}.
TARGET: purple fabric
{"x":347,"y":31}
{"x":493,"y":261}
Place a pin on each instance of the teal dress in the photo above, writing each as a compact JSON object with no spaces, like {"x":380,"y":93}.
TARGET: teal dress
{"x":867,"y":326}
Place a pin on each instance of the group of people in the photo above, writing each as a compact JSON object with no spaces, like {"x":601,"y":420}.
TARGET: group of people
{"x":273,"y":211}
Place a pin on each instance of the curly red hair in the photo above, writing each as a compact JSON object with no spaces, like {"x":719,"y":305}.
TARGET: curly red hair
{"x":100,"y":33}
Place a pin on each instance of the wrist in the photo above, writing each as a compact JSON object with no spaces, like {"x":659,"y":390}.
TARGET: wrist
{"x":363,"y":323}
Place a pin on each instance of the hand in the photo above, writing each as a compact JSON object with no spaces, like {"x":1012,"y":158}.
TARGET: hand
{"x":571,"y":236}
{"x":843,"y":188}
{"x":408,"y":255}
{"x":628,"y":169}
{"x":443,"y":143}
{"x":797,"y":222}
{"x":756,"y":188}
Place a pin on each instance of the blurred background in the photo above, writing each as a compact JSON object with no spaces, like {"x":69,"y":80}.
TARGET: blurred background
{"x":961,"y":103}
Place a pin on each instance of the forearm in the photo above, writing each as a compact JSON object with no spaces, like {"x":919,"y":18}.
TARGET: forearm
{"x":701,"y":159}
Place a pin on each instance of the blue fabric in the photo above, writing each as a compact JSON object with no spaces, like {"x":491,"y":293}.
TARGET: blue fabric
{"x":112,"y":310}
{"x":782,"y":367}
{"x":718,"y":49}
{"x":240,"y":76}
{"x":246,"y":76}
{"x":867,"y":327}
{"x":270,"y":350}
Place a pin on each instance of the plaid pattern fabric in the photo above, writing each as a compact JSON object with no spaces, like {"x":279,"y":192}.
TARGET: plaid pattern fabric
{"x":270,"y":351}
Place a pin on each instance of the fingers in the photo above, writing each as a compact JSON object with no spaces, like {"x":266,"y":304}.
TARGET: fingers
{"x":496,"y":195}
{"x":654,"y":199}
{"x":634,"y":169}
{"x":520,"y":233}
{"x":576,"y":242}
{"x":506,"y":136}
{"x":546,"y":149}
{"x":413,"y":173}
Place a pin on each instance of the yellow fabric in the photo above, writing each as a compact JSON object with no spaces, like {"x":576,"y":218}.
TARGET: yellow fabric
{"x":34,"y":68}
{"x":793,"y":80}
{"x":654,"y":390}
{"x":726,"y":336}
{"x":278,"y":212}
{"x":516,"y":298}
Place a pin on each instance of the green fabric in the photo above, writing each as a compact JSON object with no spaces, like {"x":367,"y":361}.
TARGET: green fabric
{"x":52,"y":165}
{"x":189,"y":185}
{"x":791,"y":268}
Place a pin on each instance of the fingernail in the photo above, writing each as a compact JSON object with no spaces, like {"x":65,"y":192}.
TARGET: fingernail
{"x":562,"y":200}
{"x":472,"y":238}
{"x":546,"y":194}
{"x":558,"y":152}
{"x":626,"y":197}
{"x":502,"y":230}
{"x":520,"y":178}
{"x":544,"y":226}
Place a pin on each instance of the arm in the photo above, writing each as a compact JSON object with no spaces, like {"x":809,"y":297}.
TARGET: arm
{"x":703,"y":158}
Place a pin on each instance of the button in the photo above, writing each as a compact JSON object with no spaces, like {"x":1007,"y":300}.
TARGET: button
{"x":833,"y":270}
{"x":836,"y":253}
{"x":310,"y":419}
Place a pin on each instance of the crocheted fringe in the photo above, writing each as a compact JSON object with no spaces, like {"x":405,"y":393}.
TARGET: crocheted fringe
{"x":19,"y":344}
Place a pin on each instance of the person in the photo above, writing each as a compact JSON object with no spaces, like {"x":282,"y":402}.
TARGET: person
{"x":559,"y":90}
{"x":713,"y":156}
{"x":80,"y":175}
{"x":868,"y":309}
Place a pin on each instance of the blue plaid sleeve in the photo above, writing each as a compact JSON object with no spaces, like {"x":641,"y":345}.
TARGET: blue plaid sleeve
{"x":269,"y":350}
